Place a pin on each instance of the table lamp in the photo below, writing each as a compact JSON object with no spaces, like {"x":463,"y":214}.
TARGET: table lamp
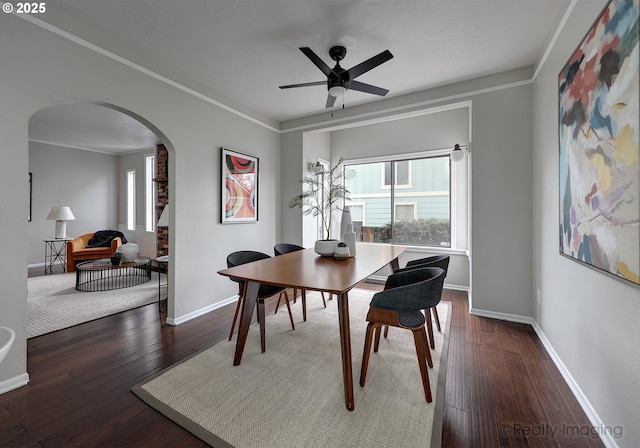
{"x":61,"y":214}
{"x":164,"y":217}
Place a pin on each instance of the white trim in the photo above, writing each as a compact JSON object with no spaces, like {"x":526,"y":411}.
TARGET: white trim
{"x":592,"y":415}
{"x":202,"y":311}
{"x":552,"y":42}
{"x":14,"y":383}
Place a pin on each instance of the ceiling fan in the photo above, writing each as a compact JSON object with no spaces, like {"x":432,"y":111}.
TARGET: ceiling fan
{"x":340,"y":80}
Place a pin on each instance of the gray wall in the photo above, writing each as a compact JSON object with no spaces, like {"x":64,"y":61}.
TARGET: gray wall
{"x":590,"y":319}
{"x":85,"y":181}
{"x":41,"y":69}
{"x":437,"y":130}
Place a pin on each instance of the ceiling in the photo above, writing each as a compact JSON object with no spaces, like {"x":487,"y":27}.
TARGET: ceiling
{"x":239,"y":52}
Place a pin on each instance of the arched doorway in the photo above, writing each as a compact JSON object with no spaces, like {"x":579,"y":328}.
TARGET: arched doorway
{"x":80,"y":155}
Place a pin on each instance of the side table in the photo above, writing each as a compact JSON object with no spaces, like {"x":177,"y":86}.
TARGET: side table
{"x":55,"y":252}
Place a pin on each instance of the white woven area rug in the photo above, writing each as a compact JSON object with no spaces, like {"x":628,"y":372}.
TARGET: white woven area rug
{"x":292,"y":396}
{"x":53,"y":302}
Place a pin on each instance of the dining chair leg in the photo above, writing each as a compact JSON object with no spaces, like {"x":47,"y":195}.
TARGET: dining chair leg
{"x":286,"y":300}
{"x":386,"y":331}
{"x":260,"y":304}
{"x":366,"y":352}
{"x":434,"y":310}
{"x":324,"y":302}
{"x":420,"y":338}
{"x":238,"y":307}
{"x":427,"y":319}
{"x":295,"y":294}
{"x":376,"y":343}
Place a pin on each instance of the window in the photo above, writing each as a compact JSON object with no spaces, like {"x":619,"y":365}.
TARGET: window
{"x":149,"y":193}
{"x":401,"y":171}
{"x":131,"y":200}
{"x":412,"y":206}
{"x":405,"y":212}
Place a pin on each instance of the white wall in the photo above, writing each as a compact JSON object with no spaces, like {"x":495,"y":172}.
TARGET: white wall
{"x":500,"y":130}
{"x":85,"y":181}
{"x":41,"y":69}
{"x":590,"y":319}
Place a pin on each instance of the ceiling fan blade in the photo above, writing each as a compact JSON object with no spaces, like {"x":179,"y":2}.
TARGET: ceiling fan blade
{"x":367,"y":88}
{"x":305,"y":84}
{"x":370,"y":63}
{"x":330,"y":101}
{"x":317,"y":61}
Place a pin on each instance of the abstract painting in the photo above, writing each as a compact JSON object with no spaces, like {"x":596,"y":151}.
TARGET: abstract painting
{"x":239,"y":187}
{"x":599,"y":146}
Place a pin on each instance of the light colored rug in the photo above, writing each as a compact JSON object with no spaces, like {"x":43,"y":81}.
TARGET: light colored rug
{"x":293,"y":396}
{"x":53,"y":302}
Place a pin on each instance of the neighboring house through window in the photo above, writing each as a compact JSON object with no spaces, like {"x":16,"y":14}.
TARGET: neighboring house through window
{"x":412,"y":204}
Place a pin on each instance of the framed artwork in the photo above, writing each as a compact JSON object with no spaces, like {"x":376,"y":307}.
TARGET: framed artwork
{"x":599,"y":125}
{"x":239,"y":187}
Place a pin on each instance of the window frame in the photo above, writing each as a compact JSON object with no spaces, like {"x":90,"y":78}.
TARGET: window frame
{"x":131,"y":199}
{"x":150,"y":193}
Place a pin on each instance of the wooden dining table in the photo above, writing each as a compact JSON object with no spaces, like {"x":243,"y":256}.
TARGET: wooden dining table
{"x":306,"y":270}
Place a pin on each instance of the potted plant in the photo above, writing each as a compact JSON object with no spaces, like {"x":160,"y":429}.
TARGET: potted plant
{"x":116,"y":259}
{"x":322,"y":192}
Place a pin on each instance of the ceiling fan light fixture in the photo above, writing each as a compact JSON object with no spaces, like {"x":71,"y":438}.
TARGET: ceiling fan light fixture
{"x":337,"y":91}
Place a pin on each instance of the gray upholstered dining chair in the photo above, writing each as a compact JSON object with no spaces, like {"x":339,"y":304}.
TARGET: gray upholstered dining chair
{"x":285,"y":248}
{"x":438,"y":261}
{"x":264,"y":291}
{"x":400,"y":305}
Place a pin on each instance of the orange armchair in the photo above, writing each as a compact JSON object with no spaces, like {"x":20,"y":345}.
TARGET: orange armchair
{"x":77,"y":250}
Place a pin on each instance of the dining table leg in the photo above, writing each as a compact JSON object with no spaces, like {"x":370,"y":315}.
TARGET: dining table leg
{"x":345,"y":345}
{"x":250,"y":297}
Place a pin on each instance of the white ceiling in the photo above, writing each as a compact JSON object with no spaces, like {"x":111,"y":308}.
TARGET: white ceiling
{"x":243,"y":50}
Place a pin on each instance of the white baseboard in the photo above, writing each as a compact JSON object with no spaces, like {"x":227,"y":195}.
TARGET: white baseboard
{"x":202,"y":311}
{"x":604,"y":431}
{"x":14,"y":383}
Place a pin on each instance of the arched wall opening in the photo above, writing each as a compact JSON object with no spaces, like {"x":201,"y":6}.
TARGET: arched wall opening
{"x":85,"y":167}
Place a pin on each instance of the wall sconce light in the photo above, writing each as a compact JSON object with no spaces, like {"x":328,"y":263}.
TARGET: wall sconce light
{"x":61,"y":214}
{"x":457,"y":154}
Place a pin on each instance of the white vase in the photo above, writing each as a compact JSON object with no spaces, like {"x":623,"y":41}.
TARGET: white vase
{"x":349,"y":238}
{"x":345,"y":222}
{"x":326,"y":248}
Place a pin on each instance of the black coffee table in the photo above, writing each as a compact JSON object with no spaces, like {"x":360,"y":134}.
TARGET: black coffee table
{"x":101,"y":275}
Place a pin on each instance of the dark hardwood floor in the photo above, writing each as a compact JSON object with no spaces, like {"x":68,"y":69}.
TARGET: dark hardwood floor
{"x":502,"y":388}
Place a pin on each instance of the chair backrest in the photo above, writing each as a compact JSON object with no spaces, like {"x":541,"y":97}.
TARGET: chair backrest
{"x":244,"y":256}
{"x":410,"y":290}
{"x":439,"y":261}
{"x":285,"y":248}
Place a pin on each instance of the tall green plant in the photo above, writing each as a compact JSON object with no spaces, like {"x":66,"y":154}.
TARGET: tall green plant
{"x":322,"y":192}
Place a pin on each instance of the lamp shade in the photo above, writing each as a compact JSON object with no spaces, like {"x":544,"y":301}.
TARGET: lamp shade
{"x":164,"y":217}
{"x":457,"y":154}
{"x":61,"y":214}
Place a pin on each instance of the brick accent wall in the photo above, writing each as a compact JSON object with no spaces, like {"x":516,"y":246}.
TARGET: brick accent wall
{"x":162,"y":191}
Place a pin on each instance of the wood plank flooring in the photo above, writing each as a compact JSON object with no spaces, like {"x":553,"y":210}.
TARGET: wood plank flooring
{"x":502,"y":389}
